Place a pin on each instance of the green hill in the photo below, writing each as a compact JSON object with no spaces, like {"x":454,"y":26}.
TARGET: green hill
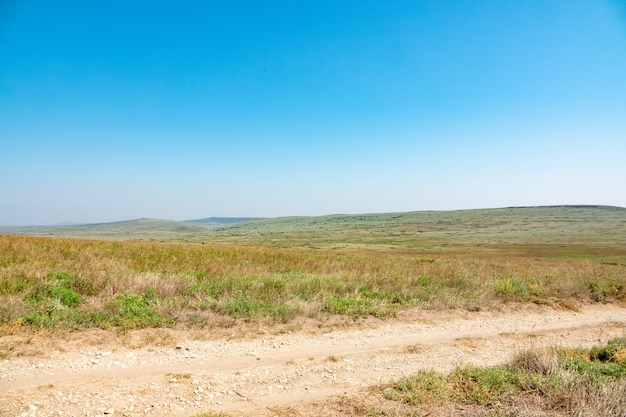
{"x":214,"y":222}
{"x":128,"y":229}
{"x":600,"y":225}
{"x":583,"y":227}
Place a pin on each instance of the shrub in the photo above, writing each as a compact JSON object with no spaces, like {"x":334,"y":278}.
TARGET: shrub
{"x":137,"y":311}
{"x":423,"y":387}
{"x":57,"y":291}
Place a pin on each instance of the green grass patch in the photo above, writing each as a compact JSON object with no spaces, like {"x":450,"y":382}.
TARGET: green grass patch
{"x":134,"y":311}
{"x":478,"y":385}
{"x":556,"y":380}
{"x":57,"y":291}
{"x":358,"y":306}
{"x":68,"y":318}
{"x":422,"y":388}
{"x":607,"y":290}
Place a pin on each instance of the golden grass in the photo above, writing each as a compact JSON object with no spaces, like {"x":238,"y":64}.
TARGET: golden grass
{"x":151,"y":284}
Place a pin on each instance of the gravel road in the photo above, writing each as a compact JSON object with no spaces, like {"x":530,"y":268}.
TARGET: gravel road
{"x":249,"y":377}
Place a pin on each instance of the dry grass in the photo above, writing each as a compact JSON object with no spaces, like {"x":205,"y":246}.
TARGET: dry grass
{"x":65,"y":283}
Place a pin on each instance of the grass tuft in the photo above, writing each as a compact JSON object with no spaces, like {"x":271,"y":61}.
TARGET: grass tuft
{"x":78,"y":283}
{"x":135,"y":311}
{"x":576,"y":382}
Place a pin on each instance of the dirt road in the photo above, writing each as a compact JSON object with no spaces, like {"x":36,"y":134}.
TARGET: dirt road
{"x":249,"y":377}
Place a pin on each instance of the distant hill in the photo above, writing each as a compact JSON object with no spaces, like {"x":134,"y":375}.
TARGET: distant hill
{"x":221,"y":221}
{"x":127,"y":229}
{"x":580,"y":224}
{"x":554,"y":225}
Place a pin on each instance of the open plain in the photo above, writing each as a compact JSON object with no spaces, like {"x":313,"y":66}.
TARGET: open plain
{"x":303,"y":316}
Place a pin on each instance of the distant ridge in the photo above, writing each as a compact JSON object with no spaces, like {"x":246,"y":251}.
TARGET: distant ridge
{"x":563,"y":224}
{"x":144,"y":228}
{"x":127,"y":229}
{"x":146,"y":224}
{"x":221,"y":221}
{"x":576,"y":206}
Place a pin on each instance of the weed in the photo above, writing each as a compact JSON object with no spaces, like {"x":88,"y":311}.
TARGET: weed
{"x":476,"y":385}
{"x":358,"y":306}
{"x":137,"y":311}
{"x":57,"y":292}
{"x":612,"y":352}
{"x":423,"y":387}
{"x":603,"y":291}
{"x":512,"y":290}
{"x":69,"y":317}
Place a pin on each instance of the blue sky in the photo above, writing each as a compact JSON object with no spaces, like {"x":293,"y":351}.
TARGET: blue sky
{"x":118,"y":110}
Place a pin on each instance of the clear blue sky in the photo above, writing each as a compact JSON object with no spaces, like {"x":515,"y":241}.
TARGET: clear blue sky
{"x":116,"y":110}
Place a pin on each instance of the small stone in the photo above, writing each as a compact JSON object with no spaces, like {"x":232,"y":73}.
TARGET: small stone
{"x":32,"y":407}
{"x":110,"y":411}
{"x":173,"y":381}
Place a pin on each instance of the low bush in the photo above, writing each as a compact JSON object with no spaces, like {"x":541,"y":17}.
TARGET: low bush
{"x":133,"y":311}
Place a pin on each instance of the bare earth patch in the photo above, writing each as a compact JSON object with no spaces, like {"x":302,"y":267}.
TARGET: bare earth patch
{"x":175,"y":373}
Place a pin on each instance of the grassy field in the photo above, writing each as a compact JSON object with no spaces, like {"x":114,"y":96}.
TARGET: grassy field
{"x":277,"y":270}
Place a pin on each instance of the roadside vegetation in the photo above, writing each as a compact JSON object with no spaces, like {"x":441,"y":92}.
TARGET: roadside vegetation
{"x":72,"y":284}
{"x":549,"y":382}
{"x":568,"y":382}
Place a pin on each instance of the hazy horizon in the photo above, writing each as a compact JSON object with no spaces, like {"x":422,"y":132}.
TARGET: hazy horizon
{"x":71,"y":223}
{"x":119,"y":111}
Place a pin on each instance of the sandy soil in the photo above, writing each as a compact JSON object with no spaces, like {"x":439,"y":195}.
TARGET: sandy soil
{"x":251,"y":377}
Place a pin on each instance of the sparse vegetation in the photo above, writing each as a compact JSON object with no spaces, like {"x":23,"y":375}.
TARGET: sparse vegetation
{"x":552,"y":382}
{"x":51,"y":282}
{"x":555,"y":382}
{"x":55,"y":282}
{"x":211,"y":414}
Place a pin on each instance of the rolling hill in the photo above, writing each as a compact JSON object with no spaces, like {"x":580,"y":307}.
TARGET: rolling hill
{"x":602,"y":226}
{"x":214,"y":222}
